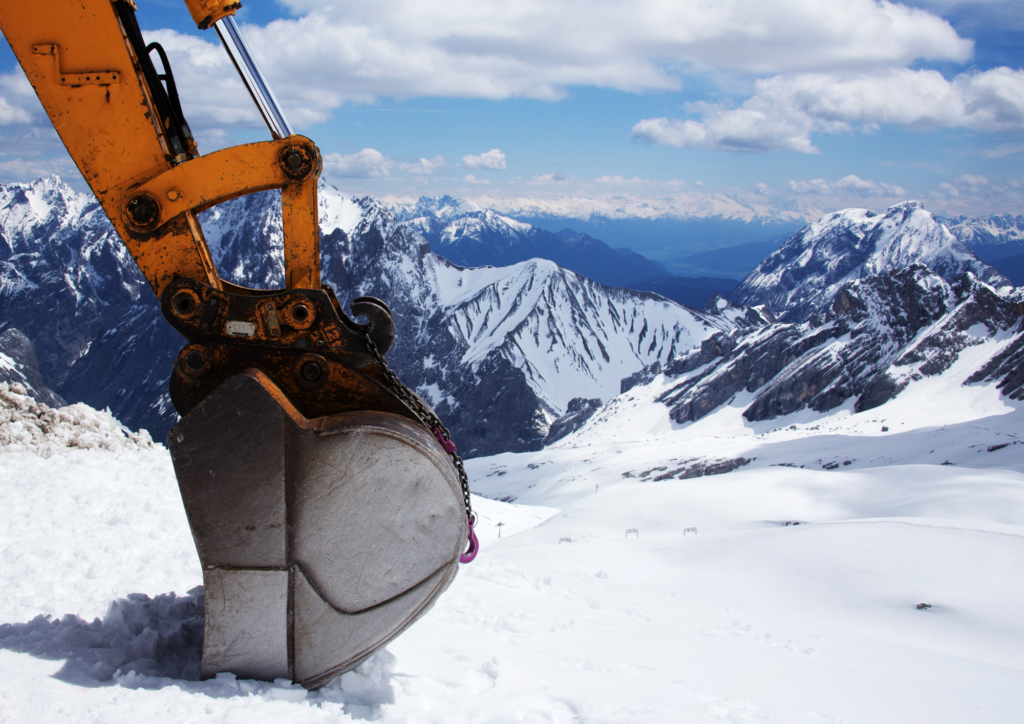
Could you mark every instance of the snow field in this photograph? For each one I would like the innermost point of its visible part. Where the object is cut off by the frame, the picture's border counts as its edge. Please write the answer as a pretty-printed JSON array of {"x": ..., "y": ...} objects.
[
  {"x": 748, "y": 620},
  {"x": 82, "y": 529}
]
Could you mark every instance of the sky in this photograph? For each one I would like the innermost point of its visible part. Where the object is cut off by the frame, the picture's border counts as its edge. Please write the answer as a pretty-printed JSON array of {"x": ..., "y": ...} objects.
[{"x": 655, "y": 106}]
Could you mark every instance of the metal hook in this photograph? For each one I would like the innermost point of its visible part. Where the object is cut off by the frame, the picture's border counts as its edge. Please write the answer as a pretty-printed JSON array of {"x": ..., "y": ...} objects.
[{"x": 474, "y": 544}]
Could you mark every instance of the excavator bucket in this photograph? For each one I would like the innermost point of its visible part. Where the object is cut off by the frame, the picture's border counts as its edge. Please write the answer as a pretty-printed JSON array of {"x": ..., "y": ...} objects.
[{"x": 320, "y": 539}]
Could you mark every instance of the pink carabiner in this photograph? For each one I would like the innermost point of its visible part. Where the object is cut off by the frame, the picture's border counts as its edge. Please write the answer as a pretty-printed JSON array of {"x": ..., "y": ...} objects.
[
  {"x": 448, "y": 445},
  {"x": 474, "y": 544}
]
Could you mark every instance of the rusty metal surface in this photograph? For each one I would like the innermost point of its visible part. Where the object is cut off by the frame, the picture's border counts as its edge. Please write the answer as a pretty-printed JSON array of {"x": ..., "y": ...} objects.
[
  {"x": 361, "y": 513},
  {"x": 90, "y": 67},
  {"x": 301, "y": 339}
]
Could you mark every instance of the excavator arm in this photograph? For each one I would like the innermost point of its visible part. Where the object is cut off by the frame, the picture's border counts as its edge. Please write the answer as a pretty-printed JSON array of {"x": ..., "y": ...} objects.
[{"x": 327, "y": 502}]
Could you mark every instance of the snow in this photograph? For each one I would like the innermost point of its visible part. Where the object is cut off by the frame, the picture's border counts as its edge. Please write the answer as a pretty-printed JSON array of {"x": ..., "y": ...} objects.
[
  {"x": 796, "y": 600},
  {"x": 338, "y": 211},
  {"x": 27, "y": 425},
  {"x": 676, "y": 205}
]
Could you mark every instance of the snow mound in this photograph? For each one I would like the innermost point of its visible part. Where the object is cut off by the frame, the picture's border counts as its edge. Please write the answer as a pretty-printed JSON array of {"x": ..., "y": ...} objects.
[{"x": 30, "y": 426}]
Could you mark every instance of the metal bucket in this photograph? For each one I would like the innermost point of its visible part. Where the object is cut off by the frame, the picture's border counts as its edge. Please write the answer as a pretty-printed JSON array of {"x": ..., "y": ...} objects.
[{"x": 321, "y": 540}]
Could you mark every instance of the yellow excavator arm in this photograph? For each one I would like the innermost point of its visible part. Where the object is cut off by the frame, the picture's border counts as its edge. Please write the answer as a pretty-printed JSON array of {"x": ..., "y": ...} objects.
[
  {"x": 125, "y": 130},
  {"x": 326, "y": 499}
]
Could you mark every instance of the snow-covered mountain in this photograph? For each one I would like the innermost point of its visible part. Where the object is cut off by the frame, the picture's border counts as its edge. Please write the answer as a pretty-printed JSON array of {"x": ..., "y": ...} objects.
[
  {"x": 468, "y": 235},
  {"x": 64, "y": 273},
  {"x": 990, "y": 237},
  {"x": 805, "y": 273},
  {"x": 500, "y": 352},
  {"x": 878, "y": 335},
  {"x": 856, "y": 307},
  {"x": 19, "y": 367},
  {"x": 678, "y": 205}
]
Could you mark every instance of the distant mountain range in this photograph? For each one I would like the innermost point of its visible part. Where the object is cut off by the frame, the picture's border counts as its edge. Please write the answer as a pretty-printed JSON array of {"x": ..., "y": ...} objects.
[
  {"x": 991, "y": 237},
  {"x": 721, "y": 235},
  {"x": 691, "y": 291},
  {"x": 500, "y": 352},
  {"x": 467, "y": 235},
  {"x": 855, "y": 304},
  {"x": 997, "y": 240},
  {"x": 866, "y": 305}
]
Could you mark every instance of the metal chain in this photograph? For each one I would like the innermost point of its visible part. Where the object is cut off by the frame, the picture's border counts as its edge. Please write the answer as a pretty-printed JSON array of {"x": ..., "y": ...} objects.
[{"x": 427, "y": 416}]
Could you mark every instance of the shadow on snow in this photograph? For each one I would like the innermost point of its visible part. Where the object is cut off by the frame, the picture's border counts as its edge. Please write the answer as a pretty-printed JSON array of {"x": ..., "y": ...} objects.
[{"x": 151, "y": 643}]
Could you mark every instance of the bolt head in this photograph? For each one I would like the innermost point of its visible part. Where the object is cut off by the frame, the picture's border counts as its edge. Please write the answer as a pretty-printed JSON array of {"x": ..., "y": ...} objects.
[
  {"x": 312, "y": 371},
  {"x": 143, "y": 211},
  {"x": 295, "y": 162},
  {"x": 195, "y": 361}
]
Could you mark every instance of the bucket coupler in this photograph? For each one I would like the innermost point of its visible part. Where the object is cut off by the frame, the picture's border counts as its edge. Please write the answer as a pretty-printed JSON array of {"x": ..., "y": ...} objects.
[{"x": 320, "y": 539}]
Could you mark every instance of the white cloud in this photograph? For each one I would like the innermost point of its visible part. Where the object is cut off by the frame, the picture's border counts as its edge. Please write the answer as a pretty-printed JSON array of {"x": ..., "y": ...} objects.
[
  {"x": 471, "y": 179},
  {"x": 548, "y": 178},
  {"x": 1005, "y": 149},
  {"x": 18, "y": 102},
  {"x": 371, "y": 163},
  {"x": 798, "y": 201},
  {"x": 977, "y": 195},
  {"x": 10, "y": 115},
  {"x": 848, "y": 185},
  {"x": 637, "y": 182},
  {"x": 786, "y": 110},
  {"x": 493, "y": 159},
  {"x": 424, "y": 166},
  {"x": 966, "y": 184},
  {"x": 21, "y": 169},
  {"x": 617, "y": 180}
]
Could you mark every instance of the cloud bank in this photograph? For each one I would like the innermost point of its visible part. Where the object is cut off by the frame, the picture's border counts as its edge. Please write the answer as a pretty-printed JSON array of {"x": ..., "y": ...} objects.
[
  {"x": 361, "y": 51},
  {"x": 372, "y": 164},
  {"x": 785, "y": 111}
]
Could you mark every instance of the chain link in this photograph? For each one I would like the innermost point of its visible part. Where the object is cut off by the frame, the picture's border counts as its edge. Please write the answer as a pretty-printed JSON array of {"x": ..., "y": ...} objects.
[{"x": 425, "y": 415}]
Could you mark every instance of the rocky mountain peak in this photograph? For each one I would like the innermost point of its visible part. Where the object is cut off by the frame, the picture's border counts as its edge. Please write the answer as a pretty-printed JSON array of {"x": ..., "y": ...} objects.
[{"x": 803, "y": 276}]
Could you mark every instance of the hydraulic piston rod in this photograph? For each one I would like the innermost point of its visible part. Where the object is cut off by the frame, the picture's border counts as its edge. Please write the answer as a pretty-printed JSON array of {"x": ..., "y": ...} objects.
[{"x": 253, "y": 77}]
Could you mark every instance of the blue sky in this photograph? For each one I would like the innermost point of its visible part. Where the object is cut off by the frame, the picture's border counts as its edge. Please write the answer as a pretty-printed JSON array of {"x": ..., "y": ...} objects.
[{"x": 651, "y": 106}]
